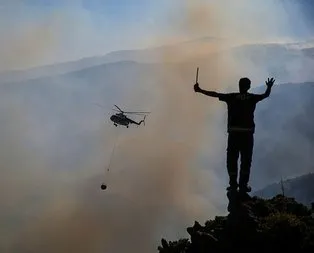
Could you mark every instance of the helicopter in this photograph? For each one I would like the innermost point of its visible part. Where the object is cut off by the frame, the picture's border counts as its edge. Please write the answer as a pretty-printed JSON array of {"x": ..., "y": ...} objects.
[{"x": 121, "y": 119}]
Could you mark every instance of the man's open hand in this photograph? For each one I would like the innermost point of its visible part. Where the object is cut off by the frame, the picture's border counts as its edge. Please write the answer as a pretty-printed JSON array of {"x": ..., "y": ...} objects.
[
  {"x": 270, "y": 82},
  {"x": 197, "y": 87}
]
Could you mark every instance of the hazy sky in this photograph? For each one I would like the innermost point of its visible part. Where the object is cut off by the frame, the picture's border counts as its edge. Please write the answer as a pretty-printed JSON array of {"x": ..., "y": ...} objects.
[
  {"x": 88, "y": 27},
  {"x": 78, "y": 28}
]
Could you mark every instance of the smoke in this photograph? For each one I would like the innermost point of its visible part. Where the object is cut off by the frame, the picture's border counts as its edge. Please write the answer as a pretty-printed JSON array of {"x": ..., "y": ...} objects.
[
  {"x": 156, "y": 186},
  {"x": 27, "y": 41},
  {"x": 27, "y": 48}
]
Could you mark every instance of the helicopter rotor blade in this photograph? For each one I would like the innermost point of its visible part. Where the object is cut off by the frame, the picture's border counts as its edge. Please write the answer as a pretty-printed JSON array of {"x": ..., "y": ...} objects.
[
  {"x": 118, "y": 108},
  {"x": 138, "y": 112},
  {"x": 100, "y": 105},
  {"x": 135, "y": 113}
]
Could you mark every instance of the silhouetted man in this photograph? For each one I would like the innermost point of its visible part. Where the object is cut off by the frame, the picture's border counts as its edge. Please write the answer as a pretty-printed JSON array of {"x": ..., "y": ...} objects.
[{"x": 241, "y": 128}]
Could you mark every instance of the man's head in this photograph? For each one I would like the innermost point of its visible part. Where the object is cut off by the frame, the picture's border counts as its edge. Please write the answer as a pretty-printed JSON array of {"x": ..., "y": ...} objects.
[{"x": 244, "y": 84}]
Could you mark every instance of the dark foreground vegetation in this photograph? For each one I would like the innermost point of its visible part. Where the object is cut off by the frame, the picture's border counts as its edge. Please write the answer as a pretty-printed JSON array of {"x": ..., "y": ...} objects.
[{"x": 261, "y": 225}]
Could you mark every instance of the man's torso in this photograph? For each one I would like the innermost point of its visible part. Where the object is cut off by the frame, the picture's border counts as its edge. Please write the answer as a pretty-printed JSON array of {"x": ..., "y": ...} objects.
[{"x": 241, "y": 109}]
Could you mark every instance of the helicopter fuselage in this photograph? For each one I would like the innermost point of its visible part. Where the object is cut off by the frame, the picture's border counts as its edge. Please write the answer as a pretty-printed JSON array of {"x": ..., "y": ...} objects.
[{"x": 120, "y": 119}]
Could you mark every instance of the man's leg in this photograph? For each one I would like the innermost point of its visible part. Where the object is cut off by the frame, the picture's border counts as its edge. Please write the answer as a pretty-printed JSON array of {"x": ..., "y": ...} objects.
[
  {"x": 232, "y": 160},
  {"x": 246, "y": 160}
]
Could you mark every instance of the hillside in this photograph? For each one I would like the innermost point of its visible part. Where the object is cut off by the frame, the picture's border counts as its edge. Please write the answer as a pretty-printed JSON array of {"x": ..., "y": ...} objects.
[
  {"x": 61, "y": 109},
  {"x": 284, "y": 139},
  {"x": 301, "y": 188},
  {"x": 54, "y": 104},
  {"x": 147, "y": 55},
  {"x": 276, "y": 225},
  {"x": 279, "y": 57},
  {"x": 54, "y": 119}
]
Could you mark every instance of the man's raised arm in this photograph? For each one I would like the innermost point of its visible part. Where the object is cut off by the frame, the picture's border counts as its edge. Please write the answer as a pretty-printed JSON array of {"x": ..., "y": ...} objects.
[
  {"x": 206, "y": 92},
  {"x": 269, "y": 83}
]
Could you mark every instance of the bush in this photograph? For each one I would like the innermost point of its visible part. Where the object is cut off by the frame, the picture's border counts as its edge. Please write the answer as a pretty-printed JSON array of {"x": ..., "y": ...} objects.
[{"x": 276, "y": 225}]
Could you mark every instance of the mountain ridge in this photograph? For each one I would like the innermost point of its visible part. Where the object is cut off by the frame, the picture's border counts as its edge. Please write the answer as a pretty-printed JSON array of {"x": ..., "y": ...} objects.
[
  {"x": 200, "y": 47},
  {"x": 300, "y": 188}
]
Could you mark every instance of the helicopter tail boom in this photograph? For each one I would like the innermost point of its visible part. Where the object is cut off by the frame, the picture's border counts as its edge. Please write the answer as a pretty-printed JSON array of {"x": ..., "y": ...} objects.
[{"x": 139, "y": 123}]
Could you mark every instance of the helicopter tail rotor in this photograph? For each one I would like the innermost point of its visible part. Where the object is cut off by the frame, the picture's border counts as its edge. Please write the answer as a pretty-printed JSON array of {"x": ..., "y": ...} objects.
[{"x": 144, "y": 119}]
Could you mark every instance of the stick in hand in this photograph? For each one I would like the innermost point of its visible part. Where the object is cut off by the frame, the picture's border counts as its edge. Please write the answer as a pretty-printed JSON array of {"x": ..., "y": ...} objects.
[
  {"x": 196, "y": 75},
  {"x": 196, "y": 87}
]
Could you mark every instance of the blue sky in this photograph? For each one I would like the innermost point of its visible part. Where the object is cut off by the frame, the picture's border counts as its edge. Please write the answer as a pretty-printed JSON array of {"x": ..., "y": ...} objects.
[
  {"x": 121, "y": 11},
  {"x": 92, "y": 27},
  {"x": 88, "y": 27}
]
